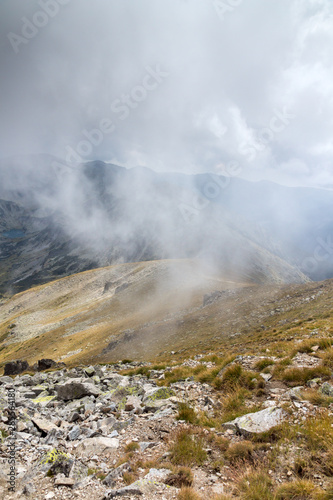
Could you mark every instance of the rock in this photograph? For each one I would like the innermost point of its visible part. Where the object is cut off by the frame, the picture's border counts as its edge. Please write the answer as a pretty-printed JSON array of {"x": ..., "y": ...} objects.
[
  {"x": 29, "y": 489},
  {"x": 53, "y": 437},
  {"x": 209, "y": 298},
  {"x": 133, "y": 403},
  {"x": 313, "y": 384},
  {"x": 76, "y": 389},
  {"x": 97, "y": 445},
  {"x": 38, "y": 390},
  {"x": 255, "y": 423},
  {"x": 122, "y": 492},
  {"x": 74, "y": 433},
  {"x": 158, "y": 393},
  {"x": 149, "y": 484},
  {"x": 295, "y": 394},
  {"x": 16, "y": 367},
  {"x": 106, "y": 424},
  {"x": 111, "y": 478},
  {"x": 146, "y": 444},
  {"x": 266, "y": 376},
  {"x": 44, "y": 425},
  {"x": 29, "y": 395},
  {"x": 113, "y": 434},
  {"x": 89, "y": 370},
  {"x": 74, "y": 417},
  {"x": 327, "y": 389},
  {"x": 62, "y": 465},
  {"x": 49, "y": 495},
  {"x": 64, "y": 481},
  {"x": 6, "y": 380},
  {"x": 45, "y": 364}
]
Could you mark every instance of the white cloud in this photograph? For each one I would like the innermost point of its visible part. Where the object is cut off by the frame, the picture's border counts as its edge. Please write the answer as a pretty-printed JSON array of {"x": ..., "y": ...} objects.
[{"x": 225, "y": 81}]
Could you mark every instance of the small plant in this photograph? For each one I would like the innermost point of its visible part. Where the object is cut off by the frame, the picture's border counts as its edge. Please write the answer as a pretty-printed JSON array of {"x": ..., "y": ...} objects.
[
  {"x": 301, "y": 489},
  {"x": 187, "y": 449},
  {"x": 132, "y": 446},
  {"x": 263, "y": 363},
  {"x": 255, "y": 486},
  {"x": 233, "y": 405},
  {"x": 316, "y": 398},
  {"x": 328, "y": 359},
  {"x": 240, "y": 452},
  {"x": 300, "y": 376},
  {"x": 234, "y": 377},
  {"x": 187, "y": 413},
  {"x": 3, "y": 434},
  {"x": 182, "y": 477},
  {"x": 187, "y": 493},
  {"x": 129, "y": 477}
]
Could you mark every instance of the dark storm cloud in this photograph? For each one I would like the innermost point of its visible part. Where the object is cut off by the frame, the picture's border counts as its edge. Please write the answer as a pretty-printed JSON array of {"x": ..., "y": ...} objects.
[{"x": 229, "y": 70}]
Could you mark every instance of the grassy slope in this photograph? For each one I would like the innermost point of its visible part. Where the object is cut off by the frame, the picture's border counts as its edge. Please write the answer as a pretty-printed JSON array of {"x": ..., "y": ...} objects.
[{"x": 160, "y": 311}]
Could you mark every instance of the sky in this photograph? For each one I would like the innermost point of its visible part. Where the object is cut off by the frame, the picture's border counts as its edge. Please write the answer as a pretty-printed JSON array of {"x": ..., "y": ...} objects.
[{"x": 240, "y": 87}]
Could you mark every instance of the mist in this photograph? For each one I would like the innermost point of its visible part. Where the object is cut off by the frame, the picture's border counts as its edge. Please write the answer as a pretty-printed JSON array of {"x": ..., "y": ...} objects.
[
  {"x": 173, "y": 86},
  {"x": 150, "y": 130}
]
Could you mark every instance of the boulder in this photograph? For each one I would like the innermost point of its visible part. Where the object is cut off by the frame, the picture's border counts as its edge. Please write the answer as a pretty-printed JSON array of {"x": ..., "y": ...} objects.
[
  {"x": 44, "y": 425},
  {"x": 327, "y": 389},
  {"x": 74, "y": 433},
  {"x": 76, "y": 389},
  {"x": 16, "y": 367},
  {"x": 89, "y": 370},
  {"x": 6, "y": 380},
  {"x": 255, "y": 423},
  {"x": 113, "y": 475},
  {"x": 133, "y": 403},
  {"x": 45, "y": 364},
  {"x": 97, "y": 446},
  {"x": 158, "y": 393}
]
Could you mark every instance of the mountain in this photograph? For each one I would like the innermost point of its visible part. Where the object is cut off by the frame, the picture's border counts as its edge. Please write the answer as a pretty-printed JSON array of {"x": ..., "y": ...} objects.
[
  {"x": 142, "y": 310},
  {"x": 58, "y": 219}
]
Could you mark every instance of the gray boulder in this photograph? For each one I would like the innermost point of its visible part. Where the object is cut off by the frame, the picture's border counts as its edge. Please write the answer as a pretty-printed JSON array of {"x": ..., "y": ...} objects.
[
  {"x": 327, "y": 389},
  {"x": 97, "y": 446},
  {"x": 76, "y": 389},
  {"x": 255, "y": 423}
]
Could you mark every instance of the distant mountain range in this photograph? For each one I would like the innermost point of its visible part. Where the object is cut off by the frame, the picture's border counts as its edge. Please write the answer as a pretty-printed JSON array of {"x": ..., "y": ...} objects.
[{"x": 58, "y": 219}]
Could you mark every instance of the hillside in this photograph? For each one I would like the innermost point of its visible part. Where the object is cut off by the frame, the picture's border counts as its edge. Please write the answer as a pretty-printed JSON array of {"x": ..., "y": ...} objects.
[
  {"x": 230, "y": 395},
  {"x": 147, "y": 309},
  {"x": 58, "y": 219}
]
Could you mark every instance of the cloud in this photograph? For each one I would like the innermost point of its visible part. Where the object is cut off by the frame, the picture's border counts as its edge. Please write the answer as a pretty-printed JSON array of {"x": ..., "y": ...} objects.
[{"x": 226, "y": 79}]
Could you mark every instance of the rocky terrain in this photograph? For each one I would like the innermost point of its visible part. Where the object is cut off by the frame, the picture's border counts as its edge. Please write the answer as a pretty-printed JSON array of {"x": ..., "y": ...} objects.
[
  {"x": 196, "y": 364},
  {"x": 213, "y": 426}
]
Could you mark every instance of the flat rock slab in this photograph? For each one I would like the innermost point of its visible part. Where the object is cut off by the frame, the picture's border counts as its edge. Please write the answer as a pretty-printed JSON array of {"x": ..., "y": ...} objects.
[
  {"x": 97, "y": 446},
  {"x": 64, "y": 481},
  {"x": 44, "y": 425},
  {"x": 255, "y": 423}
]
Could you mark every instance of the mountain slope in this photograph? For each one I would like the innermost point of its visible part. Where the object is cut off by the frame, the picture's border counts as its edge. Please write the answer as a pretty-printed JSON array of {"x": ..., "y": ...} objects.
[
  {"x": 56, "y": 220},
  {"x": 141, "y": 310}
]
